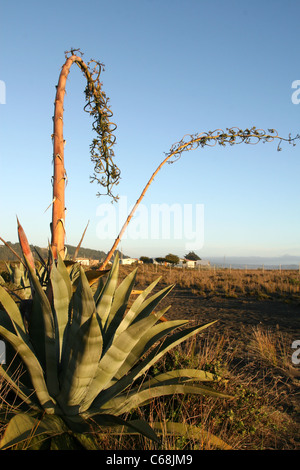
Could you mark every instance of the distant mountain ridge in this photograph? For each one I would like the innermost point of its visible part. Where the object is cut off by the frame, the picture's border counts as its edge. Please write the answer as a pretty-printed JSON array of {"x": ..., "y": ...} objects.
[
  {"x": 7, "y": 255},
  {"x": 256, "y": 260}
]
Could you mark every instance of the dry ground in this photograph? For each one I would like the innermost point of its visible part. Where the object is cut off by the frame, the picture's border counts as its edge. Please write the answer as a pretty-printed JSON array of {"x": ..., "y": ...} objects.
[{"x": 258, "y": 318}]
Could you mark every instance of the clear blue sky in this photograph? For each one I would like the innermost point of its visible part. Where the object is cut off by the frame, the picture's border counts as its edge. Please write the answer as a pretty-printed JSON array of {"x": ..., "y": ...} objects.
[{"x": 171, "y": 67}]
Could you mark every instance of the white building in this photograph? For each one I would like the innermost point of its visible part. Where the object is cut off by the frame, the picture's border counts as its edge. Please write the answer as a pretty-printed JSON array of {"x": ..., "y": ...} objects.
[
  {"x": 188, "y": 263},
  {"x": 129, "y": 261},
  {"x": 83, "y": 261}
]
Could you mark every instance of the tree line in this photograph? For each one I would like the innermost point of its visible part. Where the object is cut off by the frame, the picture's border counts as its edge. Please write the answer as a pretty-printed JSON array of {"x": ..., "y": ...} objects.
[{"x": 170, "y": 258}]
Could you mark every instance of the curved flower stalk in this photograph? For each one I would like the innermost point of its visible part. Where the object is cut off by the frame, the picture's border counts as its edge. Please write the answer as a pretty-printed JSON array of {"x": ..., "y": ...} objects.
[
  {"x": 82, "y": 355},
  {"x": 106, "y": 171},
  {"x": 231, "y": 136}
]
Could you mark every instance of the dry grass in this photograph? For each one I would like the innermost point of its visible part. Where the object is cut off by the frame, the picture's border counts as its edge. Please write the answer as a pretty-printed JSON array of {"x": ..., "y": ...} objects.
[
  {"x": 255, "y": 419},
  {"x": 205, "y": 282},
  {"x": 263, "y": 384}
]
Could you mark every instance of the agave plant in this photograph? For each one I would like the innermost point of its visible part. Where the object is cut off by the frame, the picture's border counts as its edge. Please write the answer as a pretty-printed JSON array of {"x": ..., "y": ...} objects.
[{"x": 83, "y": 354}]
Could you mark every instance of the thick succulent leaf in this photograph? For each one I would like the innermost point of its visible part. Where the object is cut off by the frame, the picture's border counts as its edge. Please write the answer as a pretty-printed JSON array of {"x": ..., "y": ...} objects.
[
  {"x": 115, "y": 424},
  {"x": 183, "y": 375},
  {"x": 84, "y": 304},
  {"x": 83, "y": 363},
  {"x": 114, "y": 387},
  {"x": 79, "y": 244},
  {"x": 142, "y": 309},
  {"x": 115, "y": 357},
  {"x": 25, "y": 246},
  {"x": 13, "y": 311},
  {"x": 134, "y": 309},
  {"x": 151, "y": 303},
  {"x": 92, "y": 276},
  {"x": 83, "y": 309},
  {"x": 168, "y": 344},
  {"x": 190, "y": 432},
  {"x": 143, "y": 395},
  {"x": 175, "y": 377},
  {"x": 34, "y": 369},
  {"x": 62, "y": 293},
  {"x": 37, "y": 330},
  {"x": 48, "y": 332},
  {"x": 146, "y": 341},
  {"x": 119, "y": 305},
  {"x": 16, "y": 274},
  {"x": 122, "y": 379},
  {"x": 104, "y": 302},
  {"x": 24, "y": 428}
]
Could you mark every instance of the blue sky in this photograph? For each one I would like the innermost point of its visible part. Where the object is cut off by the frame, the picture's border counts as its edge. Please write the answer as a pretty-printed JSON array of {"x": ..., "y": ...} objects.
[{"x": 172, "y": 67}]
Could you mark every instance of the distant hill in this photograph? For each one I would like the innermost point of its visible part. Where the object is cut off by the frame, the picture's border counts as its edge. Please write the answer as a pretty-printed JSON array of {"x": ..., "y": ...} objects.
[{"x": 7, "y": 255}]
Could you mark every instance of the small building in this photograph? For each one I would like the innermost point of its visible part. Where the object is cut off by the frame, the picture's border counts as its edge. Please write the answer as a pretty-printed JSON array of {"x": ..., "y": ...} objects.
[
  {"x": 188, "y": 263},
  {"x": 83, "y": 261},
  {"x": 129, "y": 261}
]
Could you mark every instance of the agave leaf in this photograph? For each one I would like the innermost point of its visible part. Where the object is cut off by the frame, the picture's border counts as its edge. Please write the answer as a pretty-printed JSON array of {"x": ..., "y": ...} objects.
[
  {"x": 115, "y": 356},
  {"x": 84, "y": 304},
  {"x": 92, "y": 276},
  {"x": 62, "y": 293},
  {"x": 69, "y": 263},
  {"x": 23, "y": 428},
  {"x": 42, "y": 261},
  {"x": 119, "y": 305},
  {"x": 190, "y": 432},
  {"x": 183, "y": 375},
  {"x": 25, "y": 245},
  {"x": 119, "y": 425},
  {"x": 83, "y": 364},
  {"x": 151, "y": 303},
  {"x": 147, "y": 340},
  {"x": 48, "y": 333},
  {"x": 141, "y": 307},
  {"x": 104, "y": 302},
  {"x": 34, "y": 369},
  {"x": 8, "y": 267},
  {"x": 168, "y": 344},
  {"x": 79, "y": 244},
  {"x": 13, "y": 311},
  {"x": 154, "y": 335},
  {"x": 143, "y": 395},
  {"x": 122, "y": 379},
  {"x": 83, "y": 309}
]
